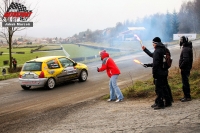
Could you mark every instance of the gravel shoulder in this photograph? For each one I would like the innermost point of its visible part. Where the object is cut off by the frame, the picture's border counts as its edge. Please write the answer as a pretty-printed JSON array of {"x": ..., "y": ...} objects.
[{"x": 130, "y": 116}]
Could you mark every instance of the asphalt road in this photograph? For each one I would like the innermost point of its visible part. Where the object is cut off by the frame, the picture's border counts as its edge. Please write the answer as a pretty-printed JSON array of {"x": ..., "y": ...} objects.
[{"x": 18, "y": 106}]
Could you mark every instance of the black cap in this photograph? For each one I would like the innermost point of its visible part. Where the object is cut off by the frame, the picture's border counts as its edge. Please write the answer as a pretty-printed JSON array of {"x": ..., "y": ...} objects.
[{"x": 156, "y": 39}]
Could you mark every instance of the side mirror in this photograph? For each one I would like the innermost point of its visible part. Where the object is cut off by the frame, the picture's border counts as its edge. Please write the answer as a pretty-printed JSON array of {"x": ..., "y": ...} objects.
[{"x": 74, "y": 64}]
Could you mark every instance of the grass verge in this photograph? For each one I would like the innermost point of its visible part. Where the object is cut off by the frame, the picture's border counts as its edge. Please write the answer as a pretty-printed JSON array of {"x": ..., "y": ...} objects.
[
  {"x": 146, "y": 89},
  {"x": 9, "y": 76}
]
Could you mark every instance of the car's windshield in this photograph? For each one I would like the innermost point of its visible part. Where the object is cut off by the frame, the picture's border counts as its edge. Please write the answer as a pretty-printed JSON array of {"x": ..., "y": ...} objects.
[{"x": 32, "y": 66}]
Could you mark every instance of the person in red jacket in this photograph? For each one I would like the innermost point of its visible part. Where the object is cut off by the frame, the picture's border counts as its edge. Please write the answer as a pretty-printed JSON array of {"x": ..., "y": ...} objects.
[{"x": 113, "y": 72}]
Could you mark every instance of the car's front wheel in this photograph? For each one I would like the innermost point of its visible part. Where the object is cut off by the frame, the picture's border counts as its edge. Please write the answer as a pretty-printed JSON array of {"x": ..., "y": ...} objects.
[
  {"x": 50, "y": 83},
  {"x": 25, "y": 87},
  {"x": 83, "y": 76}
]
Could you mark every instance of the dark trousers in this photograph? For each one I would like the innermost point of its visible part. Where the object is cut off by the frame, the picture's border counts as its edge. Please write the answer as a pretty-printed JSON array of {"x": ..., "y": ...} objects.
[
  {"x": 14, "y": 66},
  {"x": 163, "y": 91},
  {"x": 185, "y": 81},
  {"x": 168, "y": 90}
]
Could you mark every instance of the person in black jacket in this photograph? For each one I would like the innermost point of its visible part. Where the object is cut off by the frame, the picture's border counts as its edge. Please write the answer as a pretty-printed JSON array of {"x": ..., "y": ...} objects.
[
  {"x": 159, "y": 75},
  {"x": 185, "y": 64},
  {"x": 14, "y": 62}
]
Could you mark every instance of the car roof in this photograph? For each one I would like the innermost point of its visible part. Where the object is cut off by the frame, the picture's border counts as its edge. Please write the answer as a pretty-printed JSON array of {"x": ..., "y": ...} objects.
[{"x": 45, "y": 58}]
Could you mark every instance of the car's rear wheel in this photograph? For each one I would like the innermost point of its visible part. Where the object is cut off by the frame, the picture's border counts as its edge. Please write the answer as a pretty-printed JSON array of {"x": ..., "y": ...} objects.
[
  {"x": 83, "y": 76},
  {"x": 25, "y": 87},
  {"x": 50, "y": 83}
]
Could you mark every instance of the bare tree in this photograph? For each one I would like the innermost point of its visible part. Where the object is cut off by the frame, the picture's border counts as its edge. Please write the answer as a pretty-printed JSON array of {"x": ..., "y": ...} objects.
[
  {"x": 8, "y": 32},
  {"x": 187, "y": 18}
]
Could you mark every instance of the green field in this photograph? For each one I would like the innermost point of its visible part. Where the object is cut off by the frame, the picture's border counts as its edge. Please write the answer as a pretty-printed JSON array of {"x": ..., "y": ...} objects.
[
  {"x": 73, "y": 50},
  {"x": 82, "y": 51}
]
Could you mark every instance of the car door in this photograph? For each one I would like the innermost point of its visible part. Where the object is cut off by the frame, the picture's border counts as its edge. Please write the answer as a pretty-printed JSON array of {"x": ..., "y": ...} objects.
[
  {"x": 69, "y": 71},
  {"x": 54, "y": 68}
]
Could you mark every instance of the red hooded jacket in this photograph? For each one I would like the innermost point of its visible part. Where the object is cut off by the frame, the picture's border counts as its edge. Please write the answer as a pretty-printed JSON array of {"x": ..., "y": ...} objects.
[{"x": 108, "y": 64}]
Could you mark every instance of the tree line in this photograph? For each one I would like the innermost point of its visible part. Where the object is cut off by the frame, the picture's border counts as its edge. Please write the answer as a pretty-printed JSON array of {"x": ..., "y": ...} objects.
[{"x": 186, "y": 20}]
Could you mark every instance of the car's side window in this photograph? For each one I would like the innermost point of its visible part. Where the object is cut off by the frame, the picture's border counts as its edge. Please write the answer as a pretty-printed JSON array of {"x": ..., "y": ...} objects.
[
  {"x": 65, "y": 62},
  {"x": 53, "y": 64}
]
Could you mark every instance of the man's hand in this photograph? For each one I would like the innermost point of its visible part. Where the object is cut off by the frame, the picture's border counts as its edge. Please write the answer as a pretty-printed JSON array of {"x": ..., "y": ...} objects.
[
  {"x": 97, "y": 69},
  {"x": 143, "y": 47},
  {"x": 145, "y": 65}
]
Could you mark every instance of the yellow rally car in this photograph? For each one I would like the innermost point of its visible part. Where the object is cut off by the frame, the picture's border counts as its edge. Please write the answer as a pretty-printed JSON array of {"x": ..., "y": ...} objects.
[{"x": 50, "y": 70}]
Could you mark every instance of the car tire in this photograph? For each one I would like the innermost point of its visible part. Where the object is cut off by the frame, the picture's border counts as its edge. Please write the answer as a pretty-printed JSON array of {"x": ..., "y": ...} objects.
[
  {"x": 50, "y": 83},
  {"x": 83, "y": 76},
  {"x": 25, "y": 87}
]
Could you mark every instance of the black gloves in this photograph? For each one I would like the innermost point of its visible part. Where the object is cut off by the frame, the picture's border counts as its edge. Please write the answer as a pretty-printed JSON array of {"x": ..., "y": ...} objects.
[
  {"x": 148, "y": 65},
  {"x": 145, "y": 65},
  {"x": 97, "y": 69}
]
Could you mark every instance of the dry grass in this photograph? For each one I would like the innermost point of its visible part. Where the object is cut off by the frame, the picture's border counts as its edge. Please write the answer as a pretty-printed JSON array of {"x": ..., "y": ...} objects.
[{"x": 145, "y": 89}]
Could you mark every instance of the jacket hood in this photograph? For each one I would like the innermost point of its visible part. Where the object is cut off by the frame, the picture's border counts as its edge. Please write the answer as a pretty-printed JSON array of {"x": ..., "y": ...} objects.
[
  {"x": 187, "y": 44},
  {"x": 160, "y": 44},
  {"x": 103, "y": 54}
]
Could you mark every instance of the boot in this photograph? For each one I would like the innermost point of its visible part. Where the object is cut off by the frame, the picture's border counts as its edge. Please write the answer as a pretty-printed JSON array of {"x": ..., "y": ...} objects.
[
  {"x": 185, "y": 99},
  {"x": 154, "y": 105},
  {"x": 168, "y": 104},
  {"x": 159, "y": 107}
]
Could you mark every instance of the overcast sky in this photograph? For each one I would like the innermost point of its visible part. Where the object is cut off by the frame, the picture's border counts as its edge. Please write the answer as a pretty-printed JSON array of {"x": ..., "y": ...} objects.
[{"x": 64, "y": 18}]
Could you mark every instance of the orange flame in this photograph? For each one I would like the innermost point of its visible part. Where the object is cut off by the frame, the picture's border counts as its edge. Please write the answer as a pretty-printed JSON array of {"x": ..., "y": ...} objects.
[{"x": 137, "y": 61}]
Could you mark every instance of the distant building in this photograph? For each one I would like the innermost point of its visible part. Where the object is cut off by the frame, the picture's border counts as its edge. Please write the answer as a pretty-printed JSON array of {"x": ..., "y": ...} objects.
[
  {"x": 44, "y": 41},
  {"x": 53, "y": 41},
  {"x": 129, "y": 34}
]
